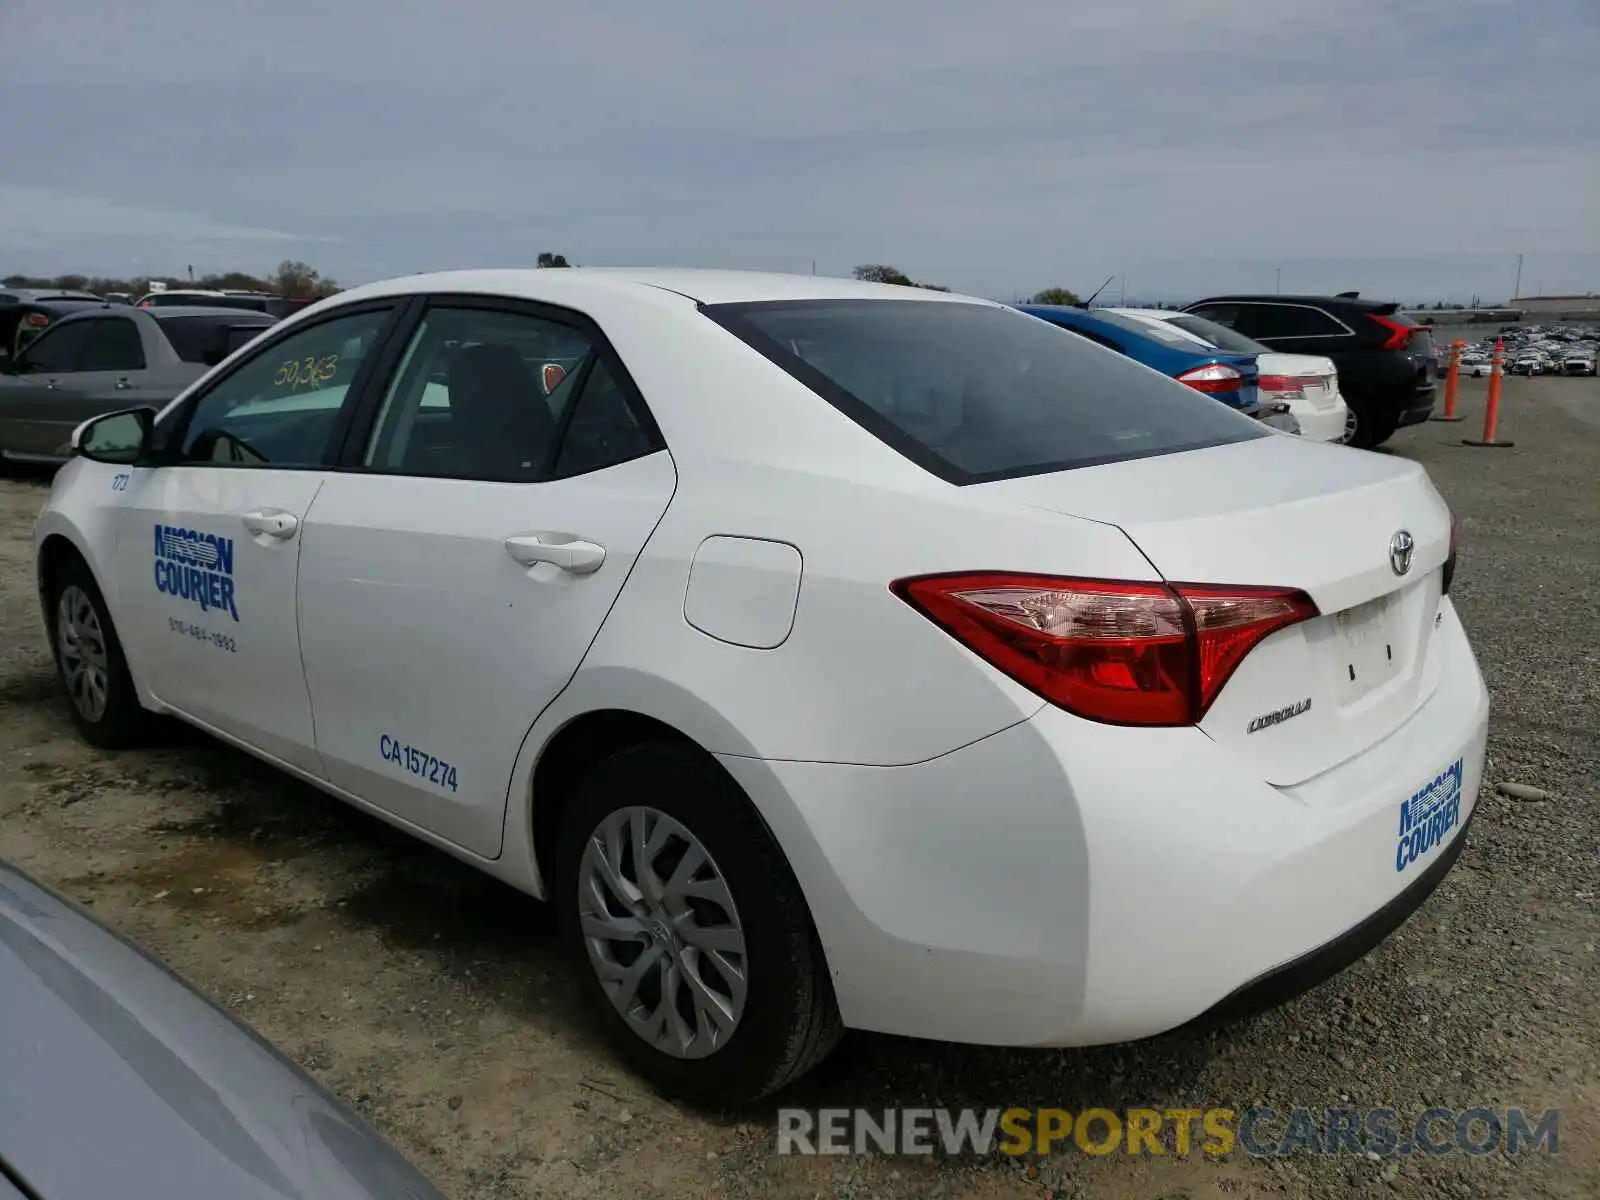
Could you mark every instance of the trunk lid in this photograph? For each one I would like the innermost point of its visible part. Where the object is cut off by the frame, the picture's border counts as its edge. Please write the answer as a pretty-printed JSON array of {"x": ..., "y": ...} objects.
[{"x": 1282, "y": 512}]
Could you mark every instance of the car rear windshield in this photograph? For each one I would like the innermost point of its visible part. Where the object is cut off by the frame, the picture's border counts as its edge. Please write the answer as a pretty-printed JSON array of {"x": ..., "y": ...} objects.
[
  {"x": 977, "y": 392},
  {"x": 1219, "y": 336},
  {"x": 208, "y": 340},
  {"x": 1145, "y": 329}
]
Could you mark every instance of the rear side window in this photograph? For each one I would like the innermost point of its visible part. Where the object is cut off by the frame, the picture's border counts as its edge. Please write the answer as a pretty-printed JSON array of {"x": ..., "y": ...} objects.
[
  {"x": 973, "y": 392},
  {"x": 1293, "y": 321},
  {"x": 114, "y": 345},
  {"x": 505, "y": 397},
  {"x": 1217, "y": 334},
  {"x": 206, "y": 340},
  {"x": 1150, "y": 330}
]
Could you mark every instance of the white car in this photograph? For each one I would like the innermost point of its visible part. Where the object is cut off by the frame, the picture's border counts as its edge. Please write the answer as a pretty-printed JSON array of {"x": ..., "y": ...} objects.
[
  {"x": 829, "y": 653},
  {"x": 1307, "y": 383}
]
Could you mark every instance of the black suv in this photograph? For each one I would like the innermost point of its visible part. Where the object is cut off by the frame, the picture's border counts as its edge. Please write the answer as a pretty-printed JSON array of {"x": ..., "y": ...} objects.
[{"x": 1386, "y": 361}]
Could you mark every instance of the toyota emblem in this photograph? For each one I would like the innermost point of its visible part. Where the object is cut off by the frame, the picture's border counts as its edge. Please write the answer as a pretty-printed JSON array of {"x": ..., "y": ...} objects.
[{"x": 1401, "y": 546}]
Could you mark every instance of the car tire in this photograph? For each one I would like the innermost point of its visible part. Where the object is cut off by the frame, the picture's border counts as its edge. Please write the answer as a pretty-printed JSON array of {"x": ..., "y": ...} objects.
[
  {"x": 90, "y": 664},
  {"x": 1358, "y": 425},
  {"x": 783, "y": 1021},
  {"x": 1381, "y": 427}
]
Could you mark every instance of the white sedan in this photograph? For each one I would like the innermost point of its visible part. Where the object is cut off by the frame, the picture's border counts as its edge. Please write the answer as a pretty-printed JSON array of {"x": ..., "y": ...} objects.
[
  {"x": 1307, "y": 383},
  {"x": 829, "y": 654}
]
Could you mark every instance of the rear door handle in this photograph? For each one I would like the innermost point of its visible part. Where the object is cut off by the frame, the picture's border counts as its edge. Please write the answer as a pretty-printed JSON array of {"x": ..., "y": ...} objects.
[
  {"x": 272, "y": 523},
  {"x": 569, "y": 553}
]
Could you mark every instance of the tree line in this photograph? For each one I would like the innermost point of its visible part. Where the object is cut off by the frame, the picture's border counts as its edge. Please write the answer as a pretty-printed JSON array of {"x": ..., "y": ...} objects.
[
  {"x": 883, "y": 273},
  {"x": 293, "y": 279}
]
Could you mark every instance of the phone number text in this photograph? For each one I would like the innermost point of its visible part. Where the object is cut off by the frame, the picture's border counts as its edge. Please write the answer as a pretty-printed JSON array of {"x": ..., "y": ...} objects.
[{"x": 220, "y": 640}]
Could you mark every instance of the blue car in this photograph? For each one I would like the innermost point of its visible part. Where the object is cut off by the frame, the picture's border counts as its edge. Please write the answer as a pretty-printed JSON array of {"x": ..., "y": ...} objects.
[{"x": 1230, "y": 378}]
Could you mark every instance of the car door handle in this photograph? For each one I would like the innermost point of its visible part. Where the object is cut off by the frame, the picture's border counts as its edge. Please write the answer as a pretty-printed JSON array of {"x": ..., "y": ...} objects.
[
  {"x": 122, "y": 385},
  {"x": 569, "y": 553},
  {"x": 52, "y": 383},
  {"x": 272, "y": 523}
]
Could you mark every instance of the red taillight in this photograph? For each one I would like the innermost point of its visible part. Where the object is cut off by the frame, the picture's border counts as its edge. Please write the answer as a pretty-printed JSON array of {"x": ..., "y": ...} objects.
[
  {"x": 1399, "y": 335},
  {"x": 38, "y": 320},
  {"x": 1288, "y": 385},
  {"x": 1213, "y": 379},
  {"x": 1122, "y": 653}
]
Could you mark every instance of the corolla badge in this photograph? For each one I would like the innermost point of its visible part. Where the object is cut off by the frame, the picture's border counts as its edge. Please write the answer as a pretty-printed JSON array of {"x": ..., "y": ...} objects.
[
  {"x": 1401, "y": 546},
  {"x": 1278, "y": 716}
]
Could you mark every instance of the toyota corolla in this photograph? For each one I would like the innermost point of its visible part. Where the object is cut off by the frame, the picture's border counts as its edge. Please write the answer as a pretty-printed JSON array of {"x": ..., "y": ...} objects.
[{"x": 829, "y": 654}]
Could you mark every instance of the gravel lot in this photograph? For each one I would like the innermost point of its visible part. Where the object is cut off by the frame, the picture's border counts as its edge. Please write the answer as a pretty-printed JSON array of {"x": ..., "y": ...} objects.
[{"x": 434, "y": 1000}]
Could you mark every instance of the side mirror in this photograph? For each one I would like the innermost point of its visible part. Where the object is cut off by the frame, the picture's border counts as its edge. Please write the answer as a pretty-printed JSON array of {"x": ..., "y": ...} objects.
[{"x": 120, "y": 438}]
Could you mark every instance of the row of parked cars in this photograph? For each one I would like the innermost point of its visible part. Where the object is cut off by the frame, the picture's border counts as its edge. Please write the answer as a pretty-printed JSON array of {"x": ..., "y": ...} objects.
[
  {"x": 25, "y": 313},
  {"x": 1329, "y": 368},
  {"x": 74, "y": 357},
  {"x": 1332, "y": 368},
  {"x": 1537, "y": 350}
]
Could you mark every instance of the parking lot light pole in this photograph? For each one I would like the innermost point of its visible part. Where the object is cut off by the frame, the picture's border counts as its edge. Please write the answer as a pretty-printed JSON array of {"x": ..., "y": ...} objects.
[
  {"x": 1452, "y": 380},
  {"x": 1491, "y": 412}
]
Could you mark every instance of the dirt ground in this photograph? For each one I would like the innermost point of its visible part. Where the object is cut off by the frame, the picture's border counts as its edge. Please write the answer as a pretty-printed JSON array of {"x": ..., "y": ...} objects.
[{"x": 434, "y": 1000}]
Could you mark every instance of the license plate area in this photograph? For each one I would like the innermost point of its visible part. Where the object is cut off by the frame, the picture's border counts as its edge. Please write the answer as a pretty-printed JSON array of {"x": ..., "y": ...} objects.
[{"x": 1369, "y": 649}]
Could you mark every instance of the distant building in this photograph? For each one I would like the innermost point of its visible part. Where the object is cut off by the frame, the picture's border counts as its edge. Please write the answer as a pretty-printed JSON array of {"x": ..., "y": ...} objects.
[{"x": 1557, "y": 304}]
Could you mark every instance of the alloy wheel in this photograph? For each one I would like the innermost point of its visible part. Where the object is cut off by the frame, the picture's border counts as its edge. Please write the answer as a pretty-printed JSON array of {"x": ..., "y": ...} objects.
[
  {"x": 662, "y": 932},
  {"x": 1351, "y": 422},
  {"x": 82, "y": 647}
]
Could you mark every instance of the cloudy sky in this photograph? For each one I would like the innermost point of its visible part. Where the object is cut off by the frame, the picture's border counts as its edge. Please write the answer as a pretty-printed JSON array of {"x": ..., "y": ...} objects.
[{"x": 1405, "y": 147}]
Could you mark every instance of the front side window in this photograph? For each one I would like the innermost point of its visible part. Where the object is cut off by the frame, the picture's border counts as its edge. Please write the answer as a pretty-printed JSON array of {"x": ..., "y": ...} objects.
[
  {"x": 974, "y": 392},
  {"x": 113, "y": 345},
  {"x": 279, "y": 408},
  {"x": 485, "y": 394},
  {"x": 1231, "y": 316},
  {"x": 58, "y": 350}
]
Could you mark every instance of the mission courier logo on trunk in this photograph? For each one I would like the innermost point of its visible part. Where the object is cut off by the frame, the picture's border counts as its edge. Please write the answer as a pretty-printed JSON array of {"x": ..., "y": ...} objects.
[{"x": 196, "y": 566}]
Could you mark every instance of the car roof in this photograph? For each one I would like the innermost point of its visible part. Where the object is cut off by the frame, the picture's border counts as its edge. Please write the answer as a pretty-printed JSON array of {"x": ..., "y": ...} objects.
[
  {"x": 1160, "y": 314},
  {"x": 1356, "y": 302},
  {"x": 14, "y": 296},
  {"x": 70, "y": 306},
  {"x": 700, "y": 285},
  {"x": 167, "y": 312}
]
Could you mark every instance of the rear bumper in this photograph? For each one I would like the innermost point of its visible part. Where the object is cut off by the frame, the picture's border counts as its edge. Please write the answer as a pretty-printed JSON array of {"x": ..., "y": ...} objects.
[
  {"x": 1320, "y": 424},
  {"x": 1284, "y": 983},
  {"x": 1068, "y": 883},
  {"x": 1419, "y": 407}
]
